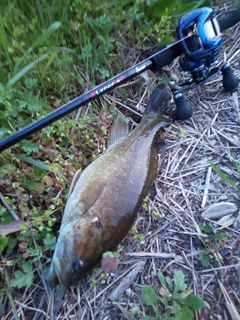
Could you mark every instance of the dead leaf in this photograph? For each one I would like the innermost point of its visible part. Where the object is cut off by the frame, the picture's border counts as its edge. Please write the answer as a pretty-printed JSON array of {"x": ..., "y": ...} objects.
[
  {"x": 109, "y": 264},
  {"x": 25, "y": 255},
  {"x": 162, "y": 292},
  {"x": 11, "y": 227},
  {"x": 23, "y": 246},
  {"x": 218, "y": 210}
]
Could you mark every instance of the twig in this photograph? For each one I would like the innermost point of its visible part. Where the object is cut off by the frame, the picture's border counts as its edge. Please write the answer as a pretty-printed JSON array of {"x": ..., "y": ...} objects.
[
  {"x": 9, "y": 208},
  {"x": 122, "y": 104},
  {"x": 88, "y": 303},
  {"x": 176, "y": 260},
  {"x": 236, "y": 105},
  {"x": 76, "y": 119},
  {"x": 184, "y": 194},
  {"x": 30, "y": 308},
  {"x": 220, "y": 268},
  {"x": 229, "y": 304},
  {"x": 234, "y": 142},
  {"x": 127, "y": 281},
  {"x": 50, "y": 304},
  {"x": 206, "y": 187},
  {"x": 151, "y": 255},
  {"x": 112, "y": 283}
]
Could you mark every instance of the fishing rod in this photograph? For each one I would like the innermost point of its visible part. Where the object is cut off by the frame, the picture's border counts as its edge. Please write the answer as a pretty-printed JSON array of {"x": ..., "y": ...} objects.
[{"x": 198, "y": 43}]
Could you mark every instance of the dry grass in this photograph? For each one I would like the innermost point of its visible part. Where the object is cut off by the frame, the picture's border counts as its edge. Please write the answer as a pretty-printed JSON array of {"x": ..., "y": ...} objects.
[{"x": 185, "y": 187}]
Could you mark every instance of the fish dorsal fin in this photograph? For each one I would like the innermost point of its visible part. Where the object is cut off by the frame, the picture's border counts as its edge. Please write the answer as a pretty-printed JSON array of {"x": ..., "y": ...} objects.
[
  {"x": 74, "y": 181},
  {"x": 118, "y": 130}
]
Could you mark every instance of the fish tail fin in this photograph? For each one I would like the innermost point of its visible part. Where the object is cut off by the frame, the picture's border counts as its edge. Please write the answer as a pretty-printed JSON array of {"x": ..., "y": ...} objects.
[{"x": 159, "y": 101}]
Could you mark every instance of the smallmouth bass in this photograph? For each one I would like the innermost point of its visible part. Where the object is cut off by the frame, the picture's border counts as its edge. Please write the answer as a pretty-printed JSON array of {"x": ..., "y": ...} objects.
[{"x": 104, "y": 199}]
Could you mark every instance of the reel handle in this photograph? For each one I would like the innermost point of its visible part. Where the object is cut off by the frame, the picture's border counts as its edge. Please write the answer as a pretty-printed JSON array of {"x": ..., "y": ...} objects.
[
  {"x": 230, "y": 81},
  {"x": 184, "y": 110},
  {"x": 229, "y": 19}
]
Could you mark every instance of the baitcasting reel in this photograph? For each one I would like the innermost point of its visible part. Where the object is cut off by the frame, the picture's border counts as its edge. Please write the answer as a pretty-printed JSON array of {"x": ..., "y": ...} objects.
[{"x": 200, "y": 36}]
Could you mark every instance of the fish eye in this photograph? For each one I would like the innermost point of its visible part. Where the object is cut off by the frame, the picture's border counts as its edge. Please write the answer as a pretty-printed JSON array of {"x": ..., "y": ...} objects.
[{"x": 77, "y": 265}]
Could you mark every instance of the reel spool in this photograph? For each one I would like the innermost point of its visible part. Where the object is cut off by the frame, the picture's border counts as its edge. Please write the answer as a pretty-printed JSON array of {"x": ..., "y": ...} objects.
[
  {"x": 202, "y": 47},
  {"x": 201, "y": 40}
]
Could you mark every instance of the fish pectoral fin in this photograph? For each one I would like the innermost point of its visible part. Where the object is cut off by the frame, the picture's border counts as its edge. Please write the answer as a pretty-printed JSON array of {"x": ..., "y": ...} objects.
[
  {"x": 58, "y": 270},
  {"x": 74, "y": 181},
  {"x": 53, "y": 278},
  {"x": 118, "y": 130}
]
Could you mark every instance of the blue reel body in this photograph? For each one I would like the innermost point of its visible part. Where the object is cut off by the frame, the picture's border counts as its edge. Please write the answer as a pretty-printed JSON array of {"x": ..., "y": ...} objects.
[{"x": 202, "y": 48}]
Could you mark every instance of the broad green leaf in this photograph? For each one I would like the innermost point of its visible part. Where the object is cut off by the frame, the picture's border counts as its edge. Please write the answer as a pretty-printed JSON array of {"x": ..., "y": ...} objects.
[
  {"x": 162, "y": 280},
  {"x": 29, "y": 146},
  {"x": 29, "y": 183},
  {"x": 50, "y": 242},
  {"x": 38, "y": 173},
  {"x": 33, "y": 104},
  {"x": 205, "y": 259},
  {"x": 21, "y": 280},
  {"x": 3, "y": 242},
  {"x": 218, "y": 236},
  {"x": 148, "y": 295},
  {"x": 27, "y": 266},
  {"x": 193, "y": 301},
  {"x": 169, "y": 282},
  {"x": 5, "y": 169},
  {"x": 179, "y": 281},
  {"x": 108, "y": 254},
  {"x": 5, "y": 216},
  {"x": 186, "y": 313},
  {"x": 175, "y": 307},
  {"x": 12, "y": 242},
  {"x": 29, "y": 279},
  {"x": 206, "y": 229},
  {"x": 35, "y": 252}
]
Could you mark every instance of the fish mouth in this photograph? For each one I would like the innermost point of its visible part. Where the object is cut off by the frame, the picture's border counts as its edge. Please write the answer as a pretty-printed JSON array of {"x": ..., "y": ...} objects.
[{"x": 57, "y": 273}]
